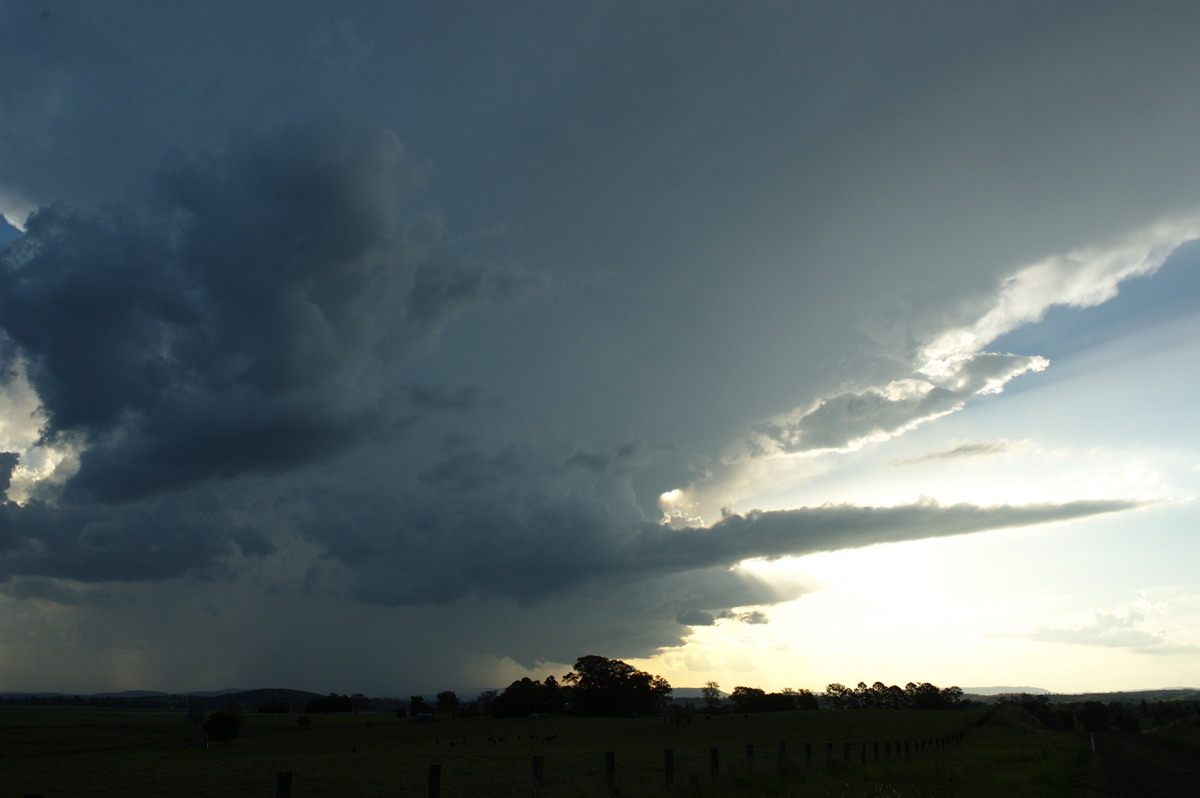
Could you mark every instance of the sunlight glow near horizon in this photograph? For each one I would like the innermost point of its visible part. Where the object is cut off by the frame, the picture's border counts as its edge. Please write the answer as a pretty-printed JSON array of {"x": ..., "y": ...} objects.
[{"x": 942, "y": 611}]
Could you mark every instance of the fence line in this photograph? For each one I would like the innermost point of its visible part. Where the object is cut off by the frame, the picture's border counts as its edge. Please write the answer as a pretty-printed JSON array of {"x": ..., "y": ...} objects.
[
  {"x": 891, "y": 750},
  {"x": 897, "y": 750}
]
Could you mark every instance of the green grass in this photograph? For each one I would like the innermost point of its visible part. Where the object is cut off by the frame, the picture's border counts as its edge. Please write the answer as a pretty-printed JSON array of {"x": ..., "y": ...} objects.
[
  {"x": 1000, "y": 760},
  {"x": 1183, "y": 733},
  {"x": 68, "y": 752}
]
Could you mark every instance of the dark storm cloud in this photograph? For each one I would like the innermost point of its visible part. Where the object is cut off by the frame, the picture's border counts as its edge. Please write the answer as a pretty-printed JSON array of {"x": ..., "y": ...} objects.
[
  {"x": 694, "y": 617},
  {"x": 509, "y": 521},
  {"x": 809, "y": 530},
  {"x": 251, "y": 315},
  {"x": 8, "y": 461},
  {"x": 446, "y": 397},
  {"x": 463, "y": 467},
  {"x": 154, "y": 540}
]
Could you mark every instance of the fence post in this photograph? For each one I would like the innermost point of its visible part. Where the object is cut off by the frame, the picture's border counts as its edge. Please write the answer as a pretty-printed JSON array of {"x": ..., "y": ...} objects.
[
  {"x": 669, "y": 766},
  {"x": 828, "y": 753},
  {"x": 435, "y": 781},
  {"x": 714, "y": 761},
  {"x": 750, "y": 758},
  {"x": 807, "y": 754},
  {"x": 782, "y": 754},
  {"x": 610, "y": 770},
  {"x": 845, "y": 752},
  {"x": 876, "y": 754},
  {"x": 283, "y": 784},
  {"x": 537, "y": 772}
]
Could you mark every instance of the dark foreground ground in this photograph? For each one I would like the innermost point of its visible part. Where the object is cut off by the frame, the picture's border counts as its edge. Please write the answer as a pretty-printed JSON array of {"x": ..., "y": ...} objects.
[{"x": 1141, "y": 766}]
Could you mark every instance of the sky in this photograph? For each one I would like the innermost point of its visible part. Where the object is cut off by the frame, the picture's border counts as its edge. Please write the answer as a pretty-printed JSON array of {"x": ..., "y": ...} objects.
[{"x": 401, "y": 347}]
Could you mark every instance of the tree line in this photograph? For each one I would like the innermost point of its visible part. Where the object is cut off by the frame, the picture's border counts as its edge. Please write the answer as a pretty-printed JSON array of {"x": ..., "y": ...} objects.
[
  {"x": 595, "y": 686},
  {"x": 600, "y": 686},
  {"x": 882, "y": 696}
]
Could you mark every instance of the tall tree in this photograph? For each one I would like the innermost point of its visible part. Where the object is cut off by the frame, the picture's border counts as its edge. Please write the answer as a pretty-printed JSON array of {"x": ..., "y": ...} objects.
[
  {"x": 747, "y": 699},
  {"x": 602, "y": 686},
  {"x": 712, "y": 695},
  {"x": 447, "y": 701},
  {"x": 223, "y": 725}
]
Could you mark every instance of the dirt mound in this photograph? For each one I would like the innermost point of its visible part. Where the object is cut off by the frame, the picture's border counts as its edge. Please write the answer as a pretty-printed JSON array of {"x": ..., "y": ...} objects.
[
  {"x": 1019, "y": 718},
  {"x": 1183, "y": 732}
]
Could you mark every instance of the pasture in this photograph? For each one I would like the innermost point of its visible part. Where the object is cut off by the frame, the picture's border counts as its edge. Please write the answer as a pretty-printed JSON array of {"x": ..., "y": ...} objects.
[{"x": 74, "y": 752}]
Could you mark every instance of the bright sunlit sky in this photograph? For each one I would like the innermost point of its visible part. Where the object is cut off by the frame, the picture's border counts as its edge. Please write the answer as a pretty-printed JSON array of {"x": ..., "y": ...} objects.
[{"x": 400, "y": 347}]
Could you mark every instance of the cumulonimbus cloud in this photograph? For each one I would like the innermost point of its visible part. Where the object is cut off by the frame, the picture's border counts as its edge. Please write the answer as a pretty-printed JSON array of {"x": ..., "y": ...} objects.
[{"x": 252, "y": 315}]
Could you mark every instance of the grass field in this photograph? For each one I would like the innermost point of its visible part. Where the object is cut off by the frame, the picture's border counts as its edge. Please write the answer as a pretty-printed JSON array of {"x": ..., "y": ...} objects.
[{"x": 70, "y": 752}]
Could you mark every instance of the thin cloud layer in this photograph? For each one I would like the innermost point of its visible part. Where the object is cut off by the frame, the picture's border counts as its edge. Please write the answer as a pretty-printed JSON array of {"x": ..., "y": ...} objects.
[
  {"x": 1127, "y": 629},
  {"x": 953, "y": 367},
  {"x": 967, "y": 449},
  {"x": 851, "y": 419}
]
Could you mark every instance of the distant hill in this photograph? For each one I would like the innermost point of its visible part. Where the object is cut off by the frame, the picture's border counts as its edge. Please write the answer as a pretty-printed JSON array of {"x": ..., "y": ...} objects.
[
  {"x": 692, "y": 692},
  {"x": 131, "y": 694},
  {"x": 1005, "y": 690},
  {"x": 995, "y": 694},
  {"x": 251, "y": 700},
  {"x": 215, "y": 693},
  {"x": 1132, "y": 696}
]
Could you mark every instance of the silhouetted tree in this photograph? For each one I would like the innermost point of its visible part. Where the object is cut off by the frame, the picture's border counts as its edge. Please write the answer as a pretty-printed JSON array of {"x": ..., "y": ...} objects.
[
  {"x": 752, "y": 699},
  {"x": 746, "y": 699},
  {"x": 484, "y": 701},
  {"x": 840, "y": 696},
  {"x": 712, "y": 695},
  {"x": 1094, "y": 717},
  {"x": 882, "y": 696},
  {"x": 529, "y": 697},
  {"x": 224, "y": 724},
  {"x": 952, "y": 697},
  {"x": 601, "y": 686},
  {"x": 330, "y": 703},
  {"x": 928, "y": 696},
  {"x": 1124, "y": 720},
  {"x": 803, "y": 699},
  {"x": 447, "y": 701}
]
